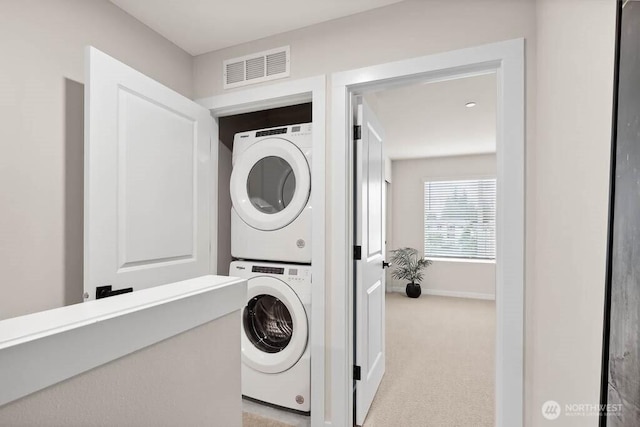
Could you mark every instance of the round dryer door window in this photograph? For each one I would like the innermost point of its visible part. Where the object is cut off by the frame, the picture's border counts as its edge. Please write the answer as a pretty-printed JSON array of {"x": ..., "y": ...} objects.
[
  {"x": 274, "y": 326},
  {"x": 270, "y": 184}
]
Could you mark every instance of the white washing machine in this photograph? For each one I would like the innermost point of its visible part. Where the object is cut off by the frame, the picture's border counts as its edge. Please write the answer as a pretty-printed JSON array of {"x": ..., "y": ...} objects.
[
  {"x": 271, "y": 194},
  {"x": 276, "y": 358}
]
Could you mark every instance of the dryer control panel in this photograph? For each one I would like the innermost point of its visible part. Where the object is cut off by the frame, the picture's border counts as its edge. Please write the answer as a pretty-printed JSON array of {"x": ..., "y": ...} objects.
[{"x": 290, "y": 131}]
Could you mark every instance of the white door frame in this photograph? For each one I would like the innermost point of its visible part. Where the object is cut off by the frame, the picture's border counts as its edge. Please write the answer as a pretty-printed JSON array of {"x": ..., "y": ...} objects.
[
  {"x": 312, "y": 89},
  {"x": 506, "y": 59}
]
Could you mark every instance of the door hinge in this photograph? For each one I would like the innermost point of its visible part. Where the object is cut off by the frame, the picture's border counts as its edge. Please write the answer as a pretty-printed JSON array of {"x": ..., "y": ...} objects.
[
  {"x": 357, "y": 252},
  {"x": 356, "y": 372},
  {"x": 357, "y": 132}
]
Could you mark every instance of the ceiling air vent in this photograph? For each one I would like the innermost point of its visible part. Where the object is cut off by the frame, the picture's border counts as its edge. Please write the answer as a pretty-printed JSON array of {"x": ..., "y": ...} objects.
[{"x": 255, "y": 68}]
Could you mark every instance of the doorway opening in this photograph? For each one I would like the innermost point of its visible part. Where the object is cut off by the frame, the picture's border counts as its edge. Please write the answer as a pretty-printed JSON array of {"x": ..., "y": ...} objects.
[
  {"x": 431, "y": 354},
  {"x": 506, "y": 60}
]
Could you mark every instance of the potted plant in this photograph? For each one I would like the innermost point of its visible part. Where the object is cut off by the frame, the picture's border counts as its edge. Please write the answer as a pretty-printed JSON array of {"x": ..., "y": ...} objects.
[{"x": 409, "y": 265}]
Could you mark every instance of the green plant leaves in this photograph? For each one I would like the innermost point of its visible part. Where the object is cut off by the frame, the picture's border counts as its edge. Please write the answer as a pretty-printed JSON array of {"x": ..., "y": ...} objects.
[{"x": 408, "y": 264}]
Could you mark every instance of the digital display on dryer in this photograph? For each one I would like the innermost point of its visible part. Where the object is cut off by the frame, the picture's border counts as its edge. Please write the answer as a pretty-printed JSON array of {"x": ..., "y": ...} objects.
[
  {"x": 267, "y": 270},
  {"x": 271, "y": 132}
]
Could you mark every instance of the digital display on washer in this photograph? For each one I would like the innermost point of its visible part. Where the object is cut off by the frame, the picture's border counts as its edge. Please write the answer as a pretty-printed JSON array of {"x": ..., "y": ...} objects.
[
  {"x": 293, "y": 272},
  {"x": 295, "y": 129},
  {"x": 267, "y": 270},
  {"x": 271, "y": 132}
]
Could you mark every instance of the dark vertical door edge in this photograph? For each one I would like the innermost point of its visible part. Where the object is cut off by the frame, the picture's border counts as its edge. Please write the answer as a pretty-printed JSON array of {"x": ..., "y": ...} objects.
[{"x": 606, "y": 330}]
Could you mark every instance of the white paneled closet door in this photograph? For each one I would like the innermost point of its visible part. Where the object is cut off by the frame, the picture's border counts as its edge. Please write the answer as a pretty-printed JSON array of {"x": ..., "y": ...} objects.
[{"x": 148, "y": 180}]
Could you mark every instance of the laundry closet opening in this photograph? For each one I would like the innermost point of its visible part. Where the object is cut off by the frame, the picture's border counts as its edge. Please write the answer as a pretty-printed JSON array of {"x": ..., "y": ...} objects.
[
  {"x": 282, "y": 246},
  {"x": 228, "y": 127},
  {"x": 265, "y": 236}
]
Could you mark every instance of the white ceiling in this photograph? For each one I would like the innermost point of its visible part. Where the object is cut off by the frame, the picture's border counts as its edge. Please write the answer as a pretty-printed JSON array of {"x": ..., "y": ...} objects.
[
  {"x": 431, "y": 120},
  {"x": 200, "y": 26}
]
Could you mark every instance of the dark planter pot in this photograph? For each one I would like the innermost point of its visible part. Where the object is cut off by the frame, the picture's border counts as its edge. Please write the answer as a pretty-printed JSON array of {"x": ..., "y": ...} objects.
[{"x": 413, "y": 290}]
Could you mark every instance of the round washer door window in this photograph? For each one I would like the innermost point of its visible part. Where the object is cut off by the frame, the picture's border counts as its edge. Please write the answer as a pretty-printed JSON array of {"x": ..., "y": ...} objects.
[
  {"x": 268, "y": 323},
  {"x": 275, "y": 328},
  {"x": 270, "y": 184}
]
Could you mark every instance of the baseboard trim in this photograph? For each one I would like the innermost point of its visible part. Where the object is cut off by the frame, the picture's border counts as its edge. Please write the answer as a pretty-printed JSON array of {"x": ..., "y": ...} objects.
[{"x": 444, "y": 293}]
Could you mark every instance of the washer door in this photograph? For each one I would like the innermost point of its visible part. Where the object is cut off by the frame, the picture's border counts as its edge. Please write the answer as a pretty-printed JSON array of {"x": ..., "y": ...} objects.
[
  {"x": 274, "y": 326},
  {"x": 270, "y": 184}
]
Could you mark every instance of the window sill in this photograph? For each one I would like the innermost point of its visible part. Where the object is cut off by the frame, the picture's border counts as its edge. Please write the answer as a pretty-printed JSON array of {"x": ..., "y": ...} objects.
[{"x": 467, "y": 260}]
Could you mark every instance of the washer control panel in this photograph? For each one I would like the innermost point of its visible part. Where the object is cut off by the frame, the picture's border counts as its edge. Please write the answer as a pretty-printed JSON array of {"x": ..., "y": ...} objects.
[
  {"x": 267, "y": 270},
  {"x": 287, "y": 272},
  {"x": 299, "y": 275}
]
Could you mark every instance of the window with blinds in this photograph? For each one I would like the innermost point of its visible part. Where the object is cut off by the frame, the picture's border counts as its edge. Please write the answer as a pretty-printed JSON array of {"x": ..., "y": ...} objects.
[{"x": 460, "y": 219}]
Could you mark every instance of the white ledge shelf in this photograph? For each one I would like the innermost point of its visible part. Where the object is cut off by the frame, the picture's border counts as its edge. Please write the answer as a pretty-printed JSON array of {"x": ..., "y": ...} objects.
[{"x": 42, "y": 349}]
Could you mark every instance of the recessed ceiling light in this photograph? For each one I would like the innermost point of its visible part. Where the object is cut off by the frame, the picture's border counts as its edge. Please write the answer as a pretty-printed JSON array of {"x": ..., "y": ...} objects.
[{"x": 470, "y": 104}]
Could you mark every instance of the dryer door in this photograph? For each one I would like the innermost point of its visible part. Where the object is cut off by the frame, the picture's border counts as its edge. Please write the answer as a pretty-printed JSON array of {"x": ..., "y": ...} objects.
[
  {"x": 270, "y": 184},
  {"x": 274, "y": 326}
]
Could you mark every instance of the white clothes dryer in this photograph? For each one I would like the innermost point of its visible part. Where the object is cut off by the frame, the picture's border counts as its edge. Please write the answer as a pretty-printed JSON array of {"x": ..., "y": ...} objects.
[
  {"x": 276, "y": 358},
  {"x": 271, "y": 194}
]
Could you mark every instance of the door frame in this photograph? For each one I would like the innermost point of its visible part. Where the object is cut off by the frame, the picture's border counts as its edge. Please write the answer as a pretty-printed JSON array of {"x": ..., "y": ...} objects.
[
  {"x": 312, "y": 89},
  {"x": 506, "y": 59}
]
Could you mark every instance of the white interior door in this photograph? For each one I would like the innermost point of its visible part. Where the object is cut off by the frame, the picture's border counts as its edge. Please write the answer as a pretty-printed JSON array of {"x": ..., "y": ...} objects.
[
  {"x": 148, "y": 178},
  {"x": 370, "y": 276}
]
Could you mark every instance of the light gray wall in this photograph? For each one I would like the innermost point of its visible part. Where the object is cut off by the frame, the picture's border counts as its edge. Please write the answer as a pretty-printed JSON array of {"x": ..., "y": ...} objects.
[
  {"x": 224, "y": 209},
  {"x": 570, "y": 43},
  {"x": 41, "y": 135},
  {"x": 192, "y": 379},
  {"x": 407, "y": 29},
  {"x": 569, "y": 202},
  {"x": 400, "y": 31},
  {"x": 569, "y": 65},
  {"x": 408, "y": 220}
]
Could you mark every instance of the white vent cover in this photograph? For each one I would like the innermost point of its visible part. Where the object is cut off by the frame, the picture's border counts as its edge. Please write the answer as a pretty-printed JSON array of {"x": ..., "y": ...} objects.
[{"x": 257, "y": 67}]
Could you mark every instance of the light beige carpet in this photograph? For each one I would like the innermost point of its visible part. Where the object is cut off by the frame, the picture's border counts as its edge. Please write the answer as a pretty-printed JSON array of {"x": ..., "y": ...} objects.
[
  {"x": 254, "y": 420},
  {"x": 440, "y": 363}
]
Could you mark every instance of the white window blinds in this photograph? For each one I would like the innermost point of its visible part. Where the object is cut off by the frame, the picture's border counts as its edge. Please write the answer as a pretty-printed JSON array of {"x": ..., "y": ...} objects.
[{"x": 460, "y": 219}]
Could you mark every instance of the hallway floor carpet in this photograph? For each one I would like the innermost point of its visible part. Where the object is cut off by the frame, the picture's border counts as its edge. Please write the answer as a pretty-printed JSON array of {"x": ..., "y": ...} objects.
[{"x": 440, "y": 356}]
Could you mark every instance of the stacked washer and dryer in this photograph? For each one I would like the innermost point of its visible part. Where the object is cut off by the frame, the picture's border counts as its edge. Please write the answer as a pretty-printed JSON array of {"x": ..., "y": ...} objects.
[{"x": 271, "y": 242}]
